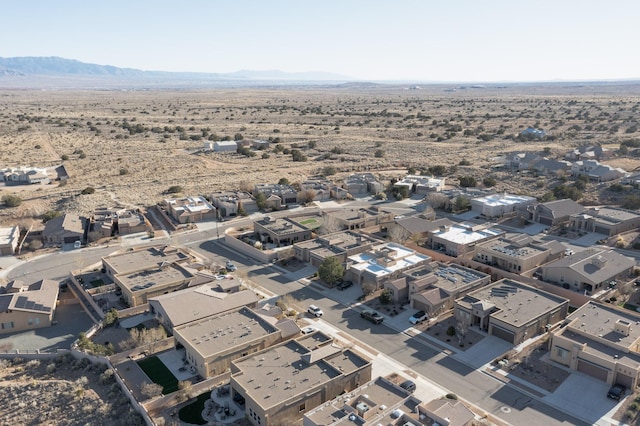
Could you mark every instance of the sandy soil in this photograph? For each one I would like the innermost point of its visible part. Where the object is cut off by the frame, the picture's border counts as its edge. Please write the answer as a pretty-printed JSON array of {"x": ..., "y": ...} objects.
[{"x": 131, "y": 146}]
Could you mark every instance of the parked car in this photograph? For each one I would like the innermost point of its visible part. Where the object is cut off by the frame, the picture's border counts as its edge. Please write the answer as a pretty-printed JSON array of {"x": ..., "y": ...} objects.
[
  {"x": 372, "y": 316},
  {"x": 616, "y": 392},
  {"x": 344, "y": 285},
  {"x": 231, "y": 267},
  {"x": 315, "y": 311},
  {"x": 418, "y": 317},
  {"x": 307, "y": 330},
  {"x": 408, "y": 385}
]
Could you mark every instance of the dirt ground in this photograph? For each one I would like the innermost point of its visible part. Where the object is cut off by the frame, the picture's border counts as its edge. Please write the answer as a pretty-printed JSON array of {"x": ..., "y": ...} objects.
[
  {"x": 132, "y": 146},
  {"x": 529, "y": 365},
  {"x": 439, "y": 331}
]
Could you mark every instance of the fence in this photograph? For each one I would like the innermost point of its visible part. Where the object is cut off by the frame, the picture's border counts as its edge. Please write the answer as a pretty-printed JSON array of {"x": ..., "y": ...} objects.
[{"x": 142, "y": 351}]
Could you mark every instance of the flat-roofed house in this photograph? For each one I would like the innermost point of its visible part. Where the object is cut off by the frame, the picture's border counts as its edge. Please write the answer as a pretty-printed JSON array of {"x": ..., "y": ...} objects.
[
  {"x": 498, "y": 205},
  {"x": 64, "y": 229},
  {"x": 280, "y": 231},
  {"x": 456, "y": 239},
  {"x": 225, "y": 146},
  {"x": 608, "y": 221},
  {"x": 230, "y": 204},
  {"x": 554, "y": 213},
  {"x": 212, "y": 343},
  {"x": 286, "y": 193},
  {"x": 281, "y": 383},
  {"x": 27, "y": 307},
  {"x": 381, "y": 263},
  {"x": 601, "y": 341},
  {"x": 195, "y": 303},
  {"x": 148, "y": 271},
  {"x": 190, "y": 209},
  {"x": 9, "y": 237},
  {"x": 379, "y": 401},
  {"x": 338, "y": 244},
  {"x": 518, "y": 253},
  {"x": 511, "y": 310},
  {"x": 358, "y": 218},
  {"x": 361, "y": 184},
  {"x": 589, "y": 270}
]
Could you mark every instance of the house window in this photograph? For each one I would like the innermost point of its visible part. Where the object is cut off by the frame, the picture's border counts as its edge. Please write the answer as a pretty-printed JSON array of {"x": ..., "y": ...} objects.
[
  {"x": 33, "y": 321},
  {"x": 302, "y": 407},
  {"x": 562, "y": 353},
  {"x": 6, "y": 325}
]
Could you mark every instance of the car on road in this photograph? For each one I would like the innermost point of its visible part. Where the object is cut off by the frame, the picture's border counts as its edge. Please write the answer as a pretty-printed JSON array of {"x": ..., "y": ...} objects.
[
  {"x": 418, "y": 317},
  {"x": 342, "y": 285},
  {"x": 616, "y": 392},
  {"x": 231, "y": 267},
  {"x": 408, "y": 385},
  {"x": 315, "y": 311},
  {"x": 372, "y": 316}
]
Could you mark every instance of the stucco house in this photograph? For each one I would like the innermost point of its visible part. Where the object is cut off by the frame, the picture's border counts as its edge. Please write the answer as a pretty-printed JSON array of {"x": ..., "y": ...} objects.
[
  {"x": 27, "y": 307},
  {"x": 9, "y": 237},
  {"x": 64, "y": 229}
]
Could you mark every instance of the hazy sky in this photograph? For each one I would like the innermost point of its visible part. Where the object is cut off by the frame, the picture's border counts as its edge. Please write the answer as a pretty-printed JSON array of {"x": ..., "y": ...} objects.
[{"x": 424, "y": 40}]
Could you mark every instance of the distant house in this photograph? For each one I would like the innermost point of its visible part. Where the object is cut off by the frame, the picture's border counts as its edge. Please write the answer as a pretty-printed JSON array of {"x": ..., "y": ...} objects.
[
  {"x": 190, "y": 209},
  {"x": 320, "y": 188},
  {"x": 421, "y": 185},
  {"x": 28, "y": 175},
  {"x": 553, "y": 213},
  {"x": 589, "y": 271},
  {"x": 455, "y": 239},
  {"x": 340, "y": 245},
  {"x": 596, "y": 172},
  {"x": 286, "y": 193},
  {"x": 521, "y": 160},
  {"x": 518, "y": 253},
  {"x": 64, "y": 229},
  {"x": 361, "y": 184},
  {"x": 589, "y": 152},
  {"x": 358, "y": 218},
  {"x": 209, "y": 145},
  {"x": 105, "y": 223},
  {"x": 260, "y": 144},
  {"x": 225, "y": 146},
  {"x": 27, "y": 307},
  {"x": 608, "y": 221},
  {"x": 230, "y": 203},
  {"x": 498, "y": 205},
  {"x": 9, "y": 237}
]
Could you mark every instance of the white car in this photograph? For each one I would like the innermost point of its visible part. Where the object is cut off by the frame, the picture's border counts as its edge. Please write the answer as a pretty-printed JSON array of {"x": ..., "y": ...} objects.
[
  {"x": 315, "y": 311},
  {"x": 418, "y": 317},
  {"x": 308, "y": 330},
  {"x": 231, "y": 267}
]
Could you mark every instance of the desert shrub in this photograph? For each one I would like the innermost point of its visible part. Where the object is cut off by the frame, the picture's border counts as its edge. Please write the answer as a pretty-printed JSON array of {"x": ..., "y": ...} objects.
[
  {"x": 124, "y": 172},
  {"x": 11, "y": 200},
  {"x": 451, "y": 331},
  {"x": 451, "y": 396},
  {"x": 51, "y": 214},
  {"x": 106, "y": 376},
  {"x": 51, "y": 368},
  {"x": 64, "y": 157},
  {"x": 34, "y": 363},
  {"x": 174, "y": 189},
  {"x": 110, "y": 317},
  {"x": 88, "y": 190}
]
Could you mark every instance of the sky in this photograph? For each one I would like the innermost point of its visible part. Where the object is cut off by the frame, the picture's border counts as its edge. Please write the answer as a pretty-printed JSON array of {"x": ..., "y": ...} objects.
[{"x": 372, "y": 40}]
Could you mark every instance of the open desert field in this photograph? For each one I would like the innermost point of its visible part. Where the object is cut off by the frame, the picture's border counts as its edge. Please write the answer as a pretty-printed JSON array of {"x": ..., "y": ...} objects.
[{"x": 131, "y": 146}]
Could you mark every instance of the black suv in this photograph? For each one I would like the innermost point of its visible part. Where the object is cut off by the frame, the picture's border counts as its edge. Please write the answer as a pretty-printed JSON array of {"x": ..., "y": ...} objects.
[
  {"x": 372, "y": 316},
  {"x": 616, "y": 392},
  {"x": 342, "y": 285}
]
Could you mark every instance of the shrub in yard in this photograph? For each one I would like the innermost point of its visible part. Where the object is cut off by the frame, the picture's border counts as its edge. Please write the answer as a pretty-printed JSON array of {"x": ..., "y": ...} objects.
[
  {"x": 451, "y": 331},
  {"x": 385, "y": 297},
  {"x": 11, "y": 200},
  {"x": 451, "y": 396}
]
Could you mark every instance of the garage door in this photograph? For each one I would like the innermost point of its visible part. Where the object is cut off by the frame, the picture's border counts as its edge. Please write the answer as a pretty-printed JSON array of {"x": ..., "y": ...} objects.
[
  {"x": 624, "y": 380},
  {"x": 503, "y": 334},
  {"x": 546, "y": 221},
  {"x": 592, "y": 370}
]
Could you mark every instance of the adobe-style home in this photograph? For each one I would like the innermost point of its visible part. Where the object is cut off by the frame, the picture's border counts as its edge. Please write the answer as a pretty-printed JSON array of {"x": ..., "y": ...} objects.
[
  {"x": 9, "y": 237},
  {"x": 27, "y": 307}
]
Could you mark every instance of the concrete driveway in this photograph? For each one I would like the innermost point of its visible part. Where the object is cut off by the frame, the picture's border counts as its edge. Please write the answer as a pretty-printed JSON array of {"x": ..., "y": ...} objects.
[{"x": 483, "y": 352}]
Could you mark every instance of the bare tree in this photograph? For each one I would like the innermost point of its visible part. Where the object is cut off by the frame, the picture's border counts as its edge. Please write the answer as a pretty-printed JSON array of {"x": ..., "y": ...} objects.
[
  {"x": 330, "y": 224},
  {"x": 151, "y": 389},
  {"x": 398, "y": 234},
  {"x": 462, "y": 326}
]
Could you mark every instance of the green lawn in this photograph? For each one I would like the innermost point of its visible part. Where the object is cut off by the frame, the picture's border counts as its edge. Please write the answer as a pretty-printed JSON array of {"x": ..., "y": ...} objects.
[
  {"x": 192, "y": 413},
  {"x": 97, "y": 282},
  {"x": 159, "y": 373}
]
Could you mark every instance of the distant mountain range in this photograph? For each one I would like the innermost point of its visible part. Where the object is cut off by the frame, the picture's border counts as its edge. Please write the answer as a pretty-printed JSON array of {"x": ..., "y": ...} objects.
[{"x": 60, "y": 72}]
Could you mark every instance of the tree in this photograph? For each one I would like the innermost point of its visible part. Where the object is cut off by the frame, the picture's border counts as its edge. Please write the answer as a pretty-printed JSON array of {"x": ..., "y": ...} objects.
[
  {"x": 110, "y": 317},
  {"x": 261, "y": 200},
  {"x": 385, "y": 297},
  {"x": 330, "y": 270},
  {"x": 489, "y": 181},
  {"x": 284, "y": 181},
  {"x": 329, "y": 171},
  {"x": 467, "y": 181},
  {"x": 307, "y": 196},
  {"x": 151, "y": 389},
  {"x": 238, "y": 137},
  {"x": 461, "y": 203},
  {"x": 312, "y": 144},
  {"x": 11, "y": 200},
  {"x": 378, "y": 153}
]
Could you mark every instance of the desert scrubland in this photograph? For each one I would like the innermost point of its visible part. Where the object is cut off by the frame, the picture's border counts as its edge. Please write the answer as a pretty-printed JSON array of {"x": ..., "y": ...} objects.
[{"x": 131, "y": 146}]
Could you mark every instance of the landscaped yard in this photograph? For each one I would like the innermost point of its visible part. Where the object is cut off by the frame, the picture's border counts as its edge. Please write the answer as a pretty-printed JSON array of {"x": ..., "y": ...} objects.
[
  {"x": 97, "y": 282},
  {"x": 159, "y": 373},
  {"x": 192, "y": 413}
]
